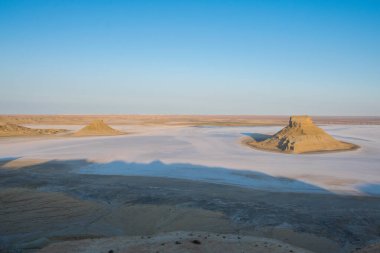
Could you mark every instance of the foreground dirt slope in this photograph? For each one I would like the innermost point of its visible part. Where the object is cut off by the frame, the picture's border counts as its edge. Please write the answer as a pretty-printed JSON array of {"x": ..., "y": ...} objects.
[
  {"x": 174, "y": 242},
  {"x": 46, "y": 202},
  {"x": 301, "y": 135},
  {"x": 32, "y": 219}
]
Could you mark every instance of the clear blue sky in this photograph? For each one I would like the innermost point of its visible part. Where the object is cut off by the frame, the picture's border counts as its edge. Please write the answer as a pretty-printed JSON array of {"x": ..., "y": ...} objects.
[{"x": 190, "y": 57}]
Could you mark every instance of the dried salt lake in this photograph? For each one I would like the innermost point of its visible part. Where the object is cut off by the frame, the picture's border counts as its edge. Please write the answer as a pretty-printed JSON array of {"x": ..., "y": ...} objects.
[{"x": 215, "y": 154}]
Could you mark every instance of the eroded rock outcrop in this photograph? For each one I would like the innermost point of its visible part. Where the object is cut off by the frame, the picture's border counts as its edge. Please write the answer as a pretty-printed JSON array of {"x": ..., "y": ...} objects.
[{"x": 301, "y": 135}]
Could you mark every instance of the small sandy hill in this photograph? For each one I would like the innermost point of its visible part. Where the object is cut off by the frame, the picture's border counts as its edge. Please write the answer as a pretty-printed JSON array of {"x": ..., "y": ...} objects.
[
  {"x": 301, "y": 136},
  {"x": 97, "y": 127},
  {"x": 9, "y": 129}
]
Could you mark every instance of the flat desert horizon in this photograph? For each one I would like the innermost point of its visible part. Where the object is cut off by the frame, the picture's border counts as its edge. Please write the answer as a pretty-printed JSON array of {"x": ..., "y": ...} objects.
[{"x": 178, "y": 119}]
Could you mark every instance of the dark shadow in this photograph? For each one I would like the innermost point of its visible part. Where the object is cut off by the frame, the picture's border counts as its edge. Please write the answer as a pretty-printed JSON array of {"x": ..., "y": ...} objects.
[
  {"x": 218, "y": 175},
  {"x": 246, "y": 198},
  {"x": 370, "y": 189},
  {"x": 183, "y": 171},
  {"x": 257, "y": 136}
]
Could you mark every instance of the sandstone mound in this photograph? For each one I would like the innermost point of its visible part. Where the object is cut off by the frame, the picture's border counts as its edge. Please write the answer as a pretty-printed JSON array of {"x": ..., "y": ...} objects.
[
  {"x": 301, "y": 136},
  {"x": 97, "y": 128},
  {"x": 8, "y": 129}
]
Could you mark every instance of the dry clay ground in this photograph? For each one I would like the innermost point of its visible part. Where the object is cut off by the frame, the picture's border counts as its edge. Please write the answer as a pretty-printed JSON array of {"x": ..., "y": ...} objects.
[{"x": 44, "y": 204}]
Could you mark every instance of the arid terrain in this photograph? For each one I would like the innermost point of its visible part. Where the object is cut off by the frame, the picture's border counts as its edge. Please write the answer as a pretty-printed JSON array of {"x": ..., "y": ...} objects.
[
  {"x": 174, "y": 187},
  {"x": 142, "y": 126},
  {"x": 202, "y": 120}
]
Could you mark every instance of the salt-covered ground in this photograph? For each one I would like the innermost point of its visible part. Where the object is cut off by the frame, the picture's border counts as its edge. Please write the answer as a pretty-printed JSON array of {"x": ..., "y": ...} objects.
[{"x": 216, "y": 154}]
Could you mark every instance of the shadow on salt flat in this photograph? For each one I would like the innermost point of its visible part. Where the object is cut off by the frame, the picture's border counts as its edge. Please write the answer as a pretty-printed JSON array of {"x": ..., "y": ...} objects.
[
  {"x": 244, "y": 178},
  {"x": 370, "y": 189}
]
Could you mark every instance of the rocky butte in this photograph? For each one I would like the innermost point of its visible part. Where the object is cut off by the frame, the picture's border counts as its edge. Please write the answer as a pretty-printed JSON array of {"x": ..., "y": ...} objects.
[{"x": 301, "y": 135}]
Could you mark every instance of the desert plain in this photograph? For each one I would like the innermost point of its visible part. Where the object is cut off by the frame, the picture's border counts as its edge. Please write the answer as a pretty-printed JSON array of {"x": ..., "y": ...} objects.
[{"x": 186, "y": 184}]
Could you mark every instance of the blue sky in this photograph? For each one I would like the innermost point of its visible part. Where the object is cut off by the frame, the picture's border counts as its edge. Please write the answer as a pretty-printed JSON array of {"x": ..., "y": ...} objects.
[{"x": 190, "y": 57}]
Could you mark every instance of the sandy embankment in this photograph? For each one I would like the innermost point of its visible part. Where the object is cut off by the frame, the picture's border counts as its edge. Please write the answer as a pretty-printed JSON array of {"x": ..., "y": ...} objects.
[{"x": 11, "y": 130}]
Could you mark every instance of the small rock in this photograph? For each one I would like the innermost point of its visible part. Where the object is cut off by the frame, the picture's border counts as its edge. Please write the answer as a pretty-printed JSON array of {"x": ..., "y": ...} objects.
[{"x": 196, "y": 242}]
